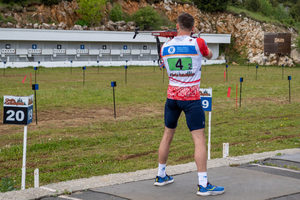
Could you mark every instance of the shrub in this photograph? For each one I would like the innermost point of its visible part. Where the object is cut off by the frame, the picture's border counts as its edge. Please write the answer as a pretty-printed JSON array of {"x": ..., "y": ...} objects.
[
  {"x": 211, "y": 6},
  {"x": 91, "y": 11},
  {"x": 81, "y": 22},
  {"x": 265, "y": 7},
  {"x": 295, "y": 11},
  {"x": 147, "y": 18},
  {"x": 116, "y": 13},
  {"x": 252, "y": 5}
]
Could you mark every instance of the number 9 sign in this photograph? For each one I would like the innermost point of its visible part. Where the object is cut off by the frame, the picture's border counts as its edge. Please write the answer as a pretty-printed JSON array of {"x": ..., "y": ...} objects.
[
  {"x": 18, "y": 110},
  {"x": 206, "y": 98}
]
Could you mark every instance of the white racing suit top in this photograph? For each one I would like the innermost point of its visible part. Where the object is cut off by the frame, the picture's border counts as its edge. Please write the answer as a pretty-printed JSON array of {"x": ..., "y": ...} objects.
[{"x": 182, "y": 57}]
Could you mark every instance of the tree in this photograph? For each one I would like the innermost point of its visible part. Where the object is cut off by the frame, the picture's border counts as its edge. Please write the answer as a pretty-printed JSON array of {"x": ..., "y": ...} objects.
[
  {"x": 91, "y": 11},
  {"x": 211, "y": 6},
  {"x": 147, "y": 18}
]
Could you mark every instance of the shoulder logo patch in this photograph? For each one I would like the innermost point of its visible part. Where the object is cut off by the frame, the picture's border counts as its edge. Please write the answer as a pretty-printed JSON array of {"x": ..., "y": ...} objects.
[{"x": 171, "y": 50}]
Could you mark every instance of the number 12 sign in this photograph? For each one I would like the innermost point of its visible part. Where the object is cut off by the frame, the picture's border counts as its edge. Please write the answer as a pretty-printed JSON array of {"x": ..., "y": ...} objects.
[
  {"x": 206, "y": 98},
  {"x": 17, "y": 110}
]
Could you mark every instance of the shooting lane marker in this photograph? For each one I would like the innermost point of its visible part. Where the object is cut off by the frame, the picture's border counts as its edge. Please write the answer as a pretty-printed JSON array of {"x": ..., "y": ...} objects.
[
  {"x": 39, "y": 62},
  {"x": 256, "y": 72},
  {"x": 241, "y": 81},
  {"x": 248, "y": 64},
  {"x": 98, "y": 65},
  {"x": 36, "y": 178},
  {"x": 30, "y": 79},
  {"x": 153, "y": 65},
  {"x": 282, "y": 71},
  {"x": 236, "y": 96},
  {"x": 225, "y": 150},
  {"x": 83, "y": 75},
  {"x": 206, "y": 102},
  {"x": 163, "y": 72},
  {"x": 23, "y": 81},
  {"x": 228, "y": 92},
  {"x": 113, "y": 85},
  {"x": 290, "y": 78},
  {"x": 19, "y": 110},
  {"x": 4, "y": 63},
  {"x": 35, "y": 69},
  {"x": 125, "y": 67},
  {"x": 226, "y": 73},
  {"x": 35, "y": 87},
  {"x": 71, "y": 61}
]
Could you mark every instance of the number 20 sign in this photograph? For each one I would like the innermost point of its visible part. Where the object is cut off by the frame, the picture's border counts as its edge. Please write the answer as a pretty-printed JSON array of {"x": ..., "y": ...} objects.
[
  {"x": 17, "y": 110},
  {"x": 206, "y": 98}
]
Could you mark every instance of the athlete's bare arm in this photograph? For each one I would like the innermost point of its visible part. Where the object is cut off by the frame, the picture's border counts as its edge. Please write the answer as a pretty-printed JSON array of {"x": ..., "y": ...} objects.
[{"x": 209, "y": 56}]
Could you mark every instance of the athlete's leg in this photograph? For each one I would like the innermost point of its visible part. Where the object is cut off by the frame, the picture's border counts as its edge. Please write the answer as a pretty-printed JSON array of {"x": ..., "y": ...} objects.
[
  {"x": 164, "y": 146},
  {"x": 200, "y": 149}
]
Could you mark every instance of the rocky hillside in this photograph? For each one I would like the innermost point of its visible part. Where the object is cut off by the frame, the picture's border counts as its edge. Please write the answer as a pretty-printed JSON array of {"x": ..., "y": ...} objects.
[{"x": 247, "y": 33}]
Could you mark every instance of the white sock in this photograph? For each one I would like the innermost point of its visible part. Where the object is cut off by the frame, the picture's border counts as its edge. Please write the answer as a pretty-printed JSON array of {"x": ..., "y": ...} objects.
[
  {"x": 161, "y": 170},
  {"x": 202, "y": 178}
]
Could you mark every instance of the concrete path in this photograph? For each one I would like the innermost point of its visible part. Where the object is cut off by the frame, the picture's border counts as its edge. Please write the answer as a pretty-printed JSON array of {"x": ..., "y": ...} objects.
[{"x": 244, "y": 181}]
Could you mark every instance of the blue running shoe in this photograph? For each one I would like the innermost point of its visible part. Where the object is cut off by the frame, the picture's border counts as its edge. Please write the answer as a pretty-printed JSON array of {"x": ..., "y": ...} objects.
[
  {"x": 159, "y": 181},
  {"x": 210, "y": 190}
]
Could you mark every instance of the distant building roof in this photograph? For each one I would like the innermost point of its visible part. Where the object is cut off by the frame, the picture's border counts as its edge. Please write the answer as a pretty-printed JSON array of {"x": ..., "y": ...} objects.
[{"x": 7, "y": 34}]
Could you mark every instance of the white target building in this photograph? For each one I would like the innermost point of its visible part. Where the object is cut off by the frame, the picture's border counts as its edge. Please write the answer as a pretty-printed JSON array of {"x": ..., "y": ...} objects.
[{"x": 63, "y": 48}]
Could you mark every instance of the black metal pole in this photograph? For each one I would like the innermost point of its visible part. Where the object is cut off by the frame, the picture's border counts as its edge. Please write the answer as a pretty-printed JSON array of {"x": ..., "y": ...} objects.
[
  {"x": 290, "y": 91},
  {"x": 4, "y": 69},
  {"x": 290, "y": 78},
  {"x": 126, "y": 75},
  {"x": 241, "y": 81},
  {"x": 35, "y": 76},
  {"x": 282, "y": 71},
  {"x": 163, "y": 71},
  {"x": 226, "y": 74},
  {"x": 115, "y": 115},
  {"x": 248, "y": 64},
  {"x": 256, "y": 72},
  {"x": 83, "y": 77},
  {"x": 240, "y": 94},
  {"x": 36, "y": 115}
]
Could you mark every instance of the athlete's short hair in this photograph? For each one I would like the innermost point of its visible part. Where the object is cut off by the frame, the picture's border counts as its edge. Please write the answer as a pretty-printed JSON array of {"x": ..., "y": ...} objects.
[{"x": 185, "y": 21}]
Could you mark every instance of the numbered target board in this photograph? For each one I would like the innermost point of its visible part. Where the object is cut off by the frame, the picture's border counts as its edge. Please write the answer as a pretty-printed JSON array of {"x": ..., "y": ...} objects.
[
  {"x": 17, "y": 110},
  {"x": 206, "y": 98}
]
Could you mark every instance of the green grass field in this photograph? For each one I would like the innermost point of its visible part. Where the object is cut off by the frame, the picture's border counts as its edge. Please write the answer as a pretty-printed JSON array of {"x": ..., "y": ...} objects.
[{"x": 77, "y": 135}]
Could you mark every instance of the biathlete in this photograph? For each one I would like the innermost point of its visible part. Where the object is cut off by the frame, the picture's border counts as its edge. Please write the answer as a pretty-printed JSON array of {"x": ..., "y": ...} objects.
[{"x": 182, "y": 57}]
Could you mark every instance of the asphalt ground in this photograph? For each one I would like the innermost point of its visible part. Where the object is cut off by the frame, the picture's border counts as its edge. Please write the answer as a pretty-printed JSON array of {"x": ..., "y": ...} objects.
[{"x": 241, "y": 178}]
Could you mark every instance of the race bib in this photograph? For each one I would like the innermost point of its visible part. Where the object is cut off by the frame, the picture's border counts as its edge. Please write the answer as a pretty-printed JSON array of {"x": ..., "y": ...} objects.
[{"x": 180, "y": 64}]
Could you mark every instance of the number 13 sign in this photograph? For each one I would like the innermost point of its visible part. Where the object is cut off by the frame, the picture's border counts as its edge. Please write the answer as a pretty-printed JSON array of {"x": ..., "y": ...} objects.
[
  {"x": 206, "y": 98},
  {"x": 18, "y": 110}
]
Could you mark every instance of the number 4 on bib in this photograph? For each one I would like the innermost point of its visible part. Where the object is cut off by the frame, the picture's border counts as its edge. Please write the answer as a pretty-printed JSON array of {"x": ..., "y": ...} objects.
[{"x": 180, "y": 64}]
